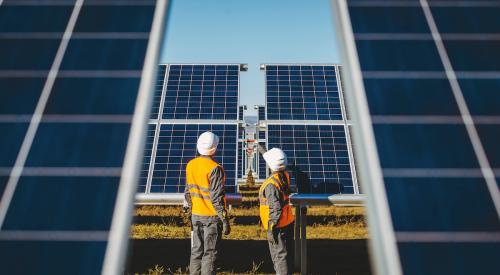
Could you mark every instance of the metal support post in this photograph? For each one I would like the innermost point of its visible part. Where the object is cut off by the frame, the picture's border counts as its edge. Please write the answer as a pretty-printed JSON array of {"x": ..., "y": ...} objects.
[
  {"x": 297, "y": 238},
  {"x": 303, "y": 240}
]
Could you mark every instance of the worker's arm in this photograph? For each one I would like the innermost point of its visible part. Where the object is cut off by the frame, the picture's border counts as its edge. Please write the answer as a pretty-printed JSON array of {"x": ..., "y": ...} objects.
[
  {"x": 261, "y": 148},
  {"x": 187, "y": 199},
  {"x": 217, "y": 193},
  {"x": 272, "y": 195}
]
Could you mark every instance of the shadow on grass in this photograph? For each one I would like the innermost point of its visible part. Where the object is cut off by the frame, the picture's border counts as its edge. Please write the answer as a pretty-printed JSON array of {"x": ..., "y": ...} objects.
[{"x": 341, "y": 257}]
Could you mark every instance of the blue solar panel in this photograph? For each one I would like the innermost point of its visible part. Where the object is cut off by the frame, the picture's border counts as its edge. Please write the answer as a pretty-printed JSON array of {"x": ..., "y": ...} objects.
[
  {"x": 428, "y": 155},
  {"x": 70, "y": 176},
  {"x": 262, "y": 164},
  {"x": 241, "y": 112},
  {"x": 241, "y": 163},
  {"x": 177, "y": 146},
  {"x": 262, "y": 112},
  {"x": 302, "y": 92},
  {"x": 146, "y": 161},
  {"x": 317, "y": 154},
  {"x": 202, "y": 92},
  {"x": 160, "y": 82}
]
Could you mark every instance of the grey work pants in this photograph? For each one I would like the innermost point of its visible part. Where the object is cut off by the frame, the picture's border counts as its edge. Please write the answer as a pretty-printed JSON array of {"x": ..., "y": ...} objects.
[
  {"x": 207, "y": 232},
  {"x": 280, "y": 241}
]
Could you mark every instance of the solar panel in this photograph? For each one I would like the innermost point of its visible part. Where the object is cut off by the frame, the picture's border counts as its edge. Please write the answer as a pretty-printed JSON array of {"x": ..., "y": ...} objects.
[
  {"x": 241, "y": 164},
  {"x": 202, "y": 92},
  {"x": 69, "y": 79},
  {"x": 430, "y": 71},
  {"x": 177, "y": 146},
  {"x": 159, "y": 88},
  {"x": 241, "y": 110},
  {"x": 261, "y": 112},
  {"x": 262, "y": 164},
  {"x": 319, "y": 153},
  {"x": 302, "y": 92},
  {"x": 147, "y": 158}
]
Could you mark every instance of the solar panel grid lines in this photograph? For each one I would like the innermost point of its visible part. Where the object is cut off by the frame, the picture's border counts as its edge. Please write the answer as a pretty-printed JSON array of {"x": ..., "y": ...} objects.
[
  {"x": 159, "y": 92},
  {"x": 464, "y": 110},
  {"x": 317, "y": 153},
  {"x": 71, "y": 157},
  {"x": 177, "y": 145},
  {"x": 262, "y": 112},
  {"x": 196, "y": 91},
  {"x": 304, "y": 92},
  {"x": 347, "y": 128},
  {"x": 439, "y": 159},
  {"x": 36, "y": 118}
]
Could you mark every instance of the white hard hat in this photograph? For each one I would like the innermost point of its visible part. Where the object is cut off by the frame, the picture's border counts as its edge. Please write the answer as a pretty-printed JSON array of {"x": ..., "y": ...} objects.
[
  {"x": 276, "y": 159},
  {"x": 207, "y": 143}
]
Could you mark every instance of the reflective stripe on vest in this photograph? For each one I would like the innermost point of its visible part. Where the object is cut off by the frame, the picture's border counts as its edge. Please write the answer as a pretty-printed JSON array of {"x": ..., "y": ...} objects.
[
  {"x": 198, "y": 173},
  {"x": 286, "y": 217}
]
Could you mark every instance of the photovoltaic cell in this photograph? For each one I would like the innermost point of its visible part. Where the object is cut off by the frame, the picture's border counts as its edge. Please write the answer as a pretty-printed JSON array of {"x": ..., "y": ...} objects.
[
  {"x": 202, "y": 92},
  {"x": 317, "y": 155},
  {"x": 426, "y": 152},
  {"x": 240, "y": 112},
  {"x": 160, "y": 82},
  {"x": 262, "y": 112},
  {"x": 70, "y": 179},
  {"x": 241, "y": 165},
  {"x": 148, "y": 153},
  {"x": 262, "y": 164},
  {"x": 177, "y": 146},
  {"x": 302, "y": 92}
]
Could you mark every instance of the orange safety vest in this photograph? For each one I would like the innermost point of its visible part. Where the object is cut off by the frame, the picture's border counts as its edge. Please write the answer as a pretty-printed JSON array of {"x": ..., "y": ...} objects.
[
  {"x": 197, "y": 178},
  {"x": 286, "y": 217}
]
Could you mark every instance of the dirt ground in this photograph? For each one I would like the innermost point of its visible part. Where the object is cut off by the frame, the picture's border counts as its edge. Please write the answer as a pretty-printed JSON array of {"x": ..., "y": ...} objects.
[{"x": 338, "y": 257}]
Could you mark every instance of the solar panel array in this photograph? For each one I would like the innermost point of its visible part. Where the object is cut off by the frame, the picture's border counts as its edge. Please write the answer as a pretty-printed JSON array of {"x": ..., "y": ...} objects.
[
  {"x": 202, "y": 92},
  {"x": 319, "y": 151},
  {"x": 194, "y": 98},
  {"x": 306, "y": 119},
  {"x": 431, "y": 73},
  {"x": 177, "y": 145},
  {"x": 69, "y": 80},
  {"x": 302, "y": 92}
]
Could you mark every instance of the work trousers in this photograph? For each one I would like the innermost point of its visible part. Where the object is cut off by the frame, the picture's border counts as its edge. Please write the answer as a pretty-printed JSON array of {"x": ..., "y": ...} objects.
[
  {"x": 280, "y": 242},
  {"x": 207, "y": 232}
]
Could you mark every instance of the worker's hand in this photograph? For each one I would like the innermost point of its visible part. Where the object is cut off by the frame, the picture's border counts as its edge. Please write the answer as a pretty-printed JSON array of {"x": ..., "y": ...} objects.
[
  {"x": 226, "y": 228},
  {"x": 273, "y": 231}
]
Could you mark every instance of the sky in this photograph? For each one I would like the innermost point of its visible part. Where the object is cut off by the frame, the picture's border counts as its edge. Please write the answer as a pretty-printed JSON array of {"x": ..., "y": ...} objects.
[{"x": 250, "y": 31}]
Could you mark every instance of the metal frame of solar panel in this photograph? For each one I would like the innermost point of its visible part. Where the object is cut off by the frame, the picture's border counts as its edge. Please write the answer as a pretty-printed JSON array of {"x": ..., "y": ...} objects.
[
  {"x": 430, "y": 170},
  {"x": 75, "y": 82},
  {"x": 185, "y": 90},
  {"x": 307, "y": 96}
]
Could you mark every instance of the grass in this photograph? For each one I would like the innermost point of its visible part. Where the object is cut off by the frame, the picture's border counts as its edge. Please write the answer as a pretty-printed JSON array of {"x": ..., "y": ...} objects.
[
  {"x": 338, "y": 223},
  {"x": 163, "y": 211},
  {"x": 160, "y": 270},
  {"x": 350, "y": 231}
]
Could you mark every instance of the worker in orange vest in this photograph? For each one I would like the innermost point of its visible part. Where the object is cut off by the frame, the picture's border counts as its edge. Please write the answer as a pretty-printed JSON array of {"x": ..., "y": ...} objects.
[
  {"x": 275, "y": 210},
  {"x": 205, "y": 197}
]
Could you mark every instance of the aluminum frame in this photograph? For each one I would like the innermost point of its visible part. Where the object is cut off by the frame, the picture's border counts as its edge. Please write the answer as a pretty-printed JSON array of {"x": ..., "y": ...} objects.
[{"x": 384, "y": 253}]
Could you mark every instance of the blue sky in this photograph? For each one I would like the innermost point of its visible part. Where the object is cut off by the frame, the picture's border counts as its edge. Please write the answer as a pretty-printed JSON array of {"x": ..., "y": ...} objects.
[{"x": 250, "y": 31}]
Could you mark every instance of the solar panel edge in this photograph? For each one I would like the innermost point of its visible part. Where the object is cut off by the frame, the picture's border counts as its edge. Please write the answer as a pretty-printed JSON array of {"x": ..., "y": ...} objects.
[
  {"x": 116, "y": 251},
  {"x": 385, "y": 255}
]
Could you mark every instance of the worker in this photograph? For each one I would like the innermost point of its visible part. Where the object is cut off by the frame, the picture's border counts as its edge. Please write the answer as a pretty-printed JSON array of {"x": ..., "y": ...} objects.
[
  {"x": 205, "y": 198},
  {"x": 275, "y": 210}
]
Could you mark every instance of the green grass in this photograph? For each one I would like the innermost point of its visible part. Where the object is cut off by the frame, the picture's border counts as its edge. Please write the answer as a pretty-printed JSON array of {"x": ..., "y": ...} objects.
[{"x": 338, "y": 223}]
